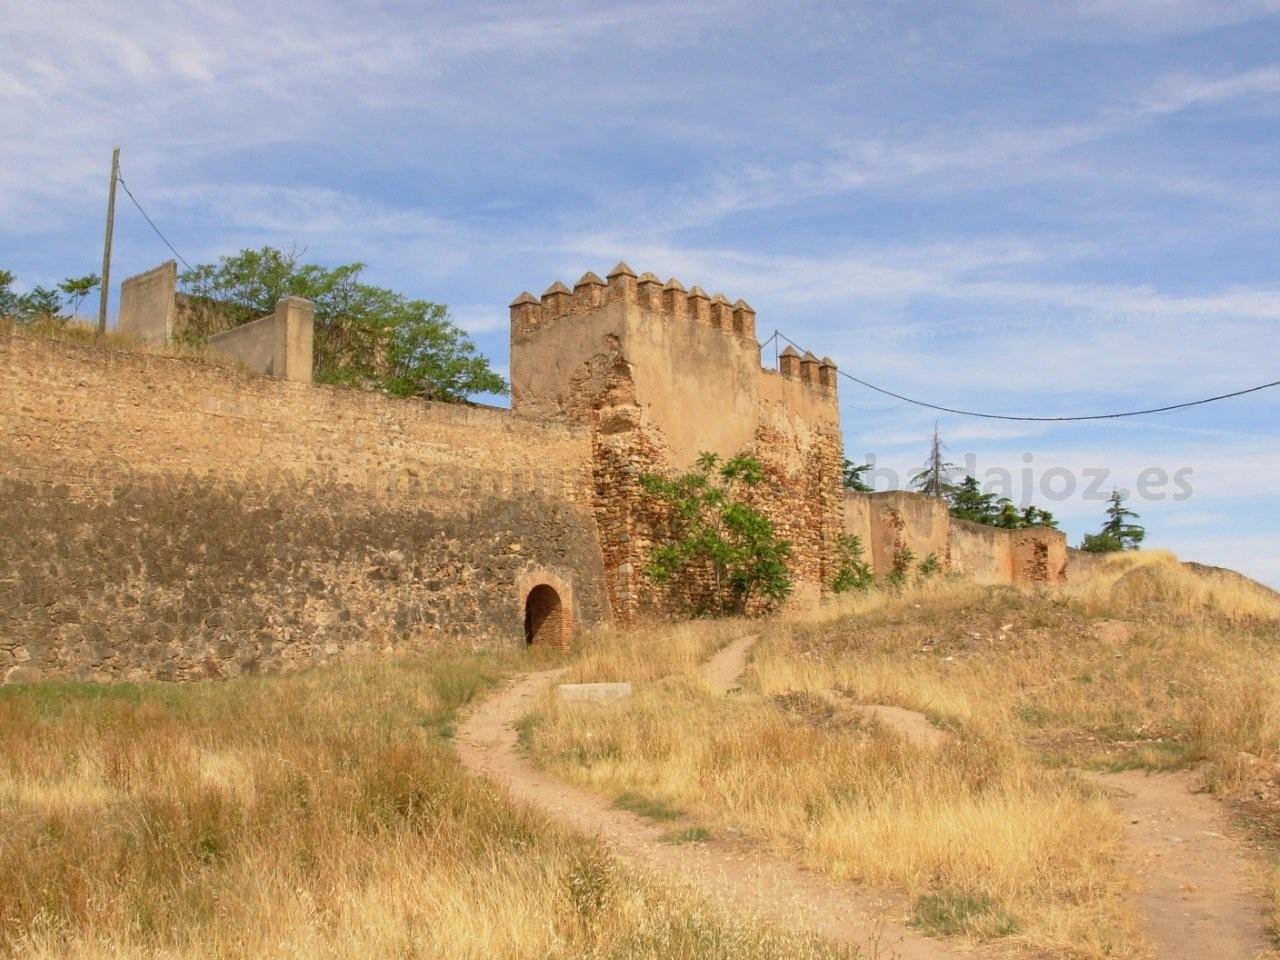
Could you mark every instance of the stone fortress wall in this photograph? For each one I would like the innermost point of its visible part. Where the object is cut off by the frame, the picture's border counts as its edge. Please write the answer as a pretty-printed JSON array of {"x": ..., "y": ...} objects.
[
  {"x": 170, "y": 518},
  {"x": 660, "y": 375}
]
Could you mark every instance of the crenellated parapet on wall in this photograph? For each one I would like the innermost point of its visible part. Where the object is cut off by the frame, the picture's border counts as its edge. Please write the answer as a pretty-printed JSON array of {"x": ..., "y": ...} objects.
[{"x": 663, "y": 373}]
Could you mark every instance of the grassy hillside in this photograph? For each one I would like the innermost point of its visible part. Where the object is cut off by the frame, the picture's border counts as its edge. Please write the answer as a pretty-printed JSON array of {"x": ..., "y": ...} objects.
[
  {"x": 994, "y": 836},
  {"x": 316, "y": 815}
]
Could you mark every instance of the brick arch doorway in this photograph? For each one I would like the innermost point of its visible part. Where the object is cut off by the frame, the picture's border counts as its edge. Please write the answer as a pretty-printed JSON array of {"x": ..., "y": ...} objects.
[{"x": 544, "y": 617}]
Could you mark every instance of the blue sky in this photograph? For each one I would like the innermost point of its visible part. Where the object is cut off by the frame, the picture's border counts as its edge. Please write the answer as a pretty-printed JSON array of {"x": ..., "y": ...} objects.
[{"x": 1019, "y": 207}]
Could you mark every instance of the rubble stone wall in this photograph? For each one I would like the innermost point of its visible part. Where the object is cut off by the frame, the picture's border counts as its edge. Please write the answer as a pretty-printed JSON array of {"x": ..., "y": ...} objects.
[{"x": 167, "y": 518}]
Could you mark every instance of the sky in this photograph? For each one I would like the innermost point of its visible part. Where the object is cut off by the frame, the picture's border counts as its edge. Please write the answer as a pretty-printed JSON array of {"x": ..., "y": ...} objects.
[{"x": 1016, "y": 207}]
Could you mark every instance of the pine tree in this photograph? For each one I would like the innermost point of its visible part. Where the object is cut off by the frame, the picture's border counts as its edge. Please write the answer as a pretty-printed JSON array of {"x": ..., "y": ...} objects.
[
  {"x": 1033, "y": 516},
  {"x": 934, "y": 478},
  {"x": 851, "y": 476},
  {"x": 1007, "y": 515},
  {"x": 1118, "y": 525},
  {"x": 968, "y": 502}
]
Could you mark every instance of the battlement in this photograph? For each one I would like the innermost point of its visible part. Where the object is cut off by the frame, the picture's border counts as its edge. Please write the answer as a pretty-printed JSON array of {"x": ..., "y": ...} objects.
[
  {"x": 808, "y": 369},
  {"x": 670, "y": 301}
]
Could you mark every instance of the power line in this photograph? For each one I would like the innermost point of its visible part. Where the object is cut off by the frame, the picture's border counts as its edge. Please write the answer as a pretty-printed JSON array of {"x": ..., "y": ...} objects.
[
  {"x": 152, "y": 223},
  {"x": 1005, "y": 416}
]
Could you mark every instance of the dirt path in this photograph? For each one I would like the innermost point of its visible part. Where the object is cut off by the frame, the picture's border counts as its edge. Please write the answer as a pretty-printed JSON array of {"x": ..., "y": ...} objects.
[
  {"x": 1195, "y": 902},
  {"x": 724, "y": 669},
  {"x": 722, "y": 869}
]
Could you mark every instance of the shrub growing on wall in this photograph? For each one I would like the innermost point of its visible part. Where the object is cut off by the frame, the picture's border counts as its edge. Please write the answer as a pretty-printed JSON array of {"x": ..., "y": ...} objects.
[
  {"x": 364, "y": 335},
  {"x": 854, "y": 572},
  {"x": 715, "y": 532}
]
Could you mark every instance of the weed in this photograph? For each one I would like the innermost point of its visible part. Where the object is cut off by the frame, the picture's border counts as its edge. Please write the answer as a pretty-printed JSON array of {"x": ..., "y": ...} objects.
[
  {"x": 952, "y": 914},
  {"x": 645, "y": 806},
  {"x": 691, "y": 835}
]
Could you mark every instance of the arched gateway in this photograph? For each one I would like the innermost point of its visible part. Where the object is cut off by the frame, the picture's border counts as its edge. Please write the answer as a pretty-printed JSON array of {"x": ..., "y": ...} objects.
[{"x": 544, "y": 619}]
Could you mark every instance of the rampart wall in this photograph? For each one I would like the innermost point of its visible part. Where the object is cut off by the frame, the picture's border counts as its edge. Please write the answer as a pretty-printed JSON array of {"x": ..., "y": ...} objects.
[
  {"x": 172, "y": 519},
  {"x": 895, "y": 524}
]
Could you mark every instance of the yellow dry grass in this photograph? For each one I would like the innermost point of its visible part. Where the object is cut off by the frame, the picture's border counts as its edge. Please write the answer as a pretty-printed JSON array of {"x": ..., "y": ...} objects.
[
  {"x": 320, "y": 815},
  {"x": 992, "y": 836},
  {"x": 84, "y": 332}
]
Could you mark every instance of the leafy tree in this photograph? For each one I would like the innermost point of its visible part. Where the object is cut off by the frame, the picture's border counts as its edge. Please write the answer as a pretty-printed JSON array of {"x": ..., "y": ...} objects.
[
  {"x": 713, "y": 527},
  {"x": 852, "y": 476},
  {"x": 969, "y": 502},
  {"x": 929, "y": 567},
  {"x": 8, "y": 299},
  {"x": 1033, "y": 516},
  {"x": 39, "y": 305},
  {"x": 1101, "y": 543},
  {"x": 75, "y": 289},
  {"x": 1007, "y": 515},
  {"x": 854, "y": 572},
  {"x": 902, "y": 560},
  {"x": 365, "y": 335},
  {"x": 934, "y": 478},
  {"x": 1118, "y": 532}
]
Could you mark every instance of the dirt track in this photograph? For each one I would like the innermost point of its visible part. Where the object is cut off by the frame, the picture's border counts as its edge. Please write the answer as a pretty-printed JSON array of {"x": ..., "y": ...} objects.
[
  {"x": 722, "y": 869},
  {"x": 1195, "y": 901}
]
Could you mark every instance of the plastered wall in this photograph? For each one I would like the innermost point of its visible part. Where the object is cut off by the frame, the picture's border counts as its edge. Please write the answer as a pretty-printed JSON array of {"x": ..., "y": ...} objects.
[
  {"x": 166, "y": 518},
  {"x": 147, "y": 304}
]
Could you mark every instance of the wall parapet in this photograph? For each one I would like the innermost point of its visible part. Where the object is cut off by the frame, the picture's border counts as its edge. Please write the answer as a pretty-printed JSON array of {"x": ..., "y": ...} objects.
[
  {"x": 147, "y": 304},
  {"x": 277, "y": 345},
  {"x": 670, "y": 301},
  {"x": 893, "y": 524}
]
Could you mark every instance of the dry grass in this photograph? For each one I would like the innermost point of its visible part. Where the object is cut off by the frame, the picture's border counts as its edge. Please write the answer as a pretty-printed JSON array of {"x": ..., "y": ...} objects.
[
  {"x": 85, "y": 333},
  {"x": 992, "y": 836},
  {"x": 1271, "y": 887},
  {"x": 318, "y": 815}
]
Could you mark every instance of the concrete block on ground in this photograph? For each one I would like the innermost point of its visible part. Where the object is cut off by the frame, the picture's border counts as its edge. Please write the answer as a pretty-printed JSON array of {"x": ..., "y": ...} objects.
[{"x": 594, "y": 692}]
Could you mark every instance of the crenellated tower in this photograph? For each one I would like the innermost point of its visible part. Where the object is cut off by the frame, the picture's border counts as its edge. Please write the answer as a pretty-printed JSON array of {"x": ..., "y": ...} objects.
[{"x": 662, "y": 374}]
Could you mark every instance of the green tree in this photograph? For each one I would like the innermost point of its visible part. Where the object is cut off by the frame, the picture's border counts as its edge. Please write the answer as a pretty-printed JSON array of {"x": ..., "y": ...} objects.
[
  {"x": 1100, "y": 543},
  {"x": 1007, "y": 515},
  {"x": 365, "y": 335},
  {"x": 969, "y": 502},
  {"x": 8, "y": 299},
  {"x": 39, "y": 305},
  {"x": 75, "y": 289},
  {"x": 934, "y": 478},
  {"x": 1119, "y": 526},
  {"x": 1033, "y": 516},
  {"x": 714, "y": 528},
  {"x": 851, "y": 476}
]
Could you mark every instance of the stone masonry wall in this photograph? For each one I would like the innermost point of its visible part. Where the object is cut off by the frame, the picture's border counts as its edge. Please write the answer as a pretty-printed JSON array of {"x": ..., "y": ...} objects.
[
  {"x": 661, "y": 375},
  {"x": 164, "y": 518},
  {"x": 899, "y": 522}
]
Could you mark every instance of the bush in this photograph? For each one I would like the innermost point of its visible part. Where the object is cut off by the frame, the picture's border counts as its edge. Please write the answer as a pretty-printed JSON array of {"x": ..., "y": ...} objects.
[
  {"x": 712, "y": 526},
  {"x": 854, "y": 572}
]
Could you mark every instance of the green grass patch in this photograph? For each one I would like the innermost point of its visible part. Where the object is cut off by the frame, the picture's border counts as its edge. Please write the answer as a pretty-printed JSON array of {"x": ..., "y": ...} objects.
[
  {"x": 650, "y": 807},
  {"x": 692, "y": 835},
  {"x": 951, "y": 913},
  {"x": 527, "y": 728}
]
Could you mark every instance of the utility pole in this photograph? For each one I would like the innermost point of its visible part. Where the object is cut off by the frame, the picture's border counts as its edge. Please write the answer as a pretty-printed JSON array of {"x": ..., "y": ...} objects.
[{"x": 105, "y": 289}]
